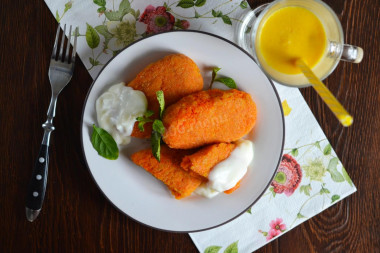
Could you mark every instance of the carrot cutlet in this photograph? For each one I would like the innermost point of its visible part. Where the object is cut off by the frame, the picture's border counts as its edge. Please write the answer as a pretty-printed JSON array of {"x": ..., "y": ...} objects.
[
  {"x": 208, "y": 117},
  {"x": 169, "y": 171},
  {"x": 176, "y": 75},
  {"x": 202, "y": 161}
]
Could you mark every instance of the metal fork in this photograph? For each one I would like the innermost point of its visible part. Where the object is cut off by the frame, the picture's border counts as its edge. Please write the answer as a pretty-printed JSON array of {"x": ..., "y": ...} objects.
[{"x": 60, "y": 73}]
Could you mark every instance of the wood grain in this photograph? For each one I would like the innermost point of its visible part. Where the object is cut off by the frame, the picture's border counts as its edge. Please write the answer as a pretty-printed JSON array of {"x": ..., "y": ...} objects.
[{"x": 76, "y": 217}]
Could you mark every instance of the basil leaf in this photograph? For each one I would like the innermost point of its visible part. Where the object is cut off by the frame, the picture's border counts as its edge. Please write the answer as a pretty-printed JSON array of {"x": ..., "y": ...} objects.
[
  {"x": 155, "y": 142},
  {"x": 104, "y": 143},
  {"x": 158, "y": 126},
  {"x": 161, "y": 101},
  {"x": 229, "y": 82}
]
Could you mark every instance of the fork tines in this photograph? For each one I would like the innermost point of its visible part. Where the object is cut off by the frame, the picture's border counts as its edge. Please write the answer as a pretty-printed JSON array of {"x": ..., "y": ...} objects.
[{"x": 61, "y": 57}]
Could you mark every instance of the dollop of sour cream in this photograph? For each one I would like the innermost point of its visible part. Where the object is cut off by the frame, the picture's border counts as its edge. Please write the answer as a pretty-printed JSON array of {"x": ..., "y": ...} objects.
[
  {"x": 228, "y": 172},
  {"x": 117, "y": 110}
]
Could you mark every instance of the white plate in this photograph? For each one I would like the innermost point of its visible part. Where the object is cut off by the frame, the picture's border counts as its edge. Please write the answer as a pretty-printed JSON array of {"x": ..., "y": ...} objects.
[{"x": 138, "y": 194}]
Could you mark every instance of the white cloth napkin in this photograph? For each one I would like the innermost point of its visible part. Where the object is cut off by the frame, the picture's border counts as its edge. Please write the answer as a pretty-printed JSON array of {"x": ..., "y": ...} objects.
[{"x": 310, "y": 178}]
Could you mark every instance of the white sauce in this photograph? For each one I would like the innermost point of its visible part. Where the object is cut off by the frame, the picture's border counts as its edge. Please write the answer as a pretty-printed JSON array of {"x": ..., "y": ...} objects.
[
  {"x": 228, "y": 172},
  {"x": 206, "y": 191},
  {"x": 117, "y": 110}
]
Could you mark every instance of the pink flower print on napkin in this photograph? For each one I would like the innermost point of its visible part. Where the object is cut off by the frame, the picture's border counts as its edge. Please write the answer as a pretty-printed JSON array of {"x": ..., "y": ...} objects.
[
  {"x": 288, "y": 176},
  {"x": 272, "y": 233},
  {"x": 185, "y": 24},
  {"x": 182, "y": 24},
  {"x": 277, "y": 225},
  {"x": 276, "y": 228},
  {"x": 157, "y": 19}
]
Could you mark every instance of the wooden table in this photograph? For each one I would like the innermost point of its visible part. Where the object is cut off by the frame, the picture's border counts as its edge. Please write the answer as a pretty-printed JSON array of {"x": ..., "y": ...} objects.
[{"x": 76, "y": 217}]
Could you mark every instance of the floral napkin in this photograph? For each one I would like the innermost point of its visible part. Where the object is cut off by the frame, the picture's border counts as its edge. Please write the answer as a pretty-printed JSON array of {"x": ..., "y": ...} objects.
[{"x": 310, "y": 177}]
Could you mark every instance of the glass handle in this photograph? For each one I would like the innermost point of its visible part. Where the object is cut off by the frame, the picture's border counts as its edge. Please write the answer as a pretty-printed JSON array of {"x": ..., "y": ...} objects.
[{"x": 352, "y": 53}]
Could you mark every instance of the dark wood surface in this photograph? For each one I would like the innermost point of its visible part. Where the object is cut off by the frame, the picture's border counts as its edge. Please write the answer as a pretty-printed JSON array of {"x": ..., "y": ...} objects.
[{"x": 76, "y": 217}]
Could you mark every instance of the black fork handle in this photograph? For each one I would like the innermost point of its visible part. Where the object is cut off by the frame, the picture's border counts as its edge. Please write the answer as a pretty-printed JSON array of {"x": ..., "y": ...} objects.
[{"x": 37, "y": 184}]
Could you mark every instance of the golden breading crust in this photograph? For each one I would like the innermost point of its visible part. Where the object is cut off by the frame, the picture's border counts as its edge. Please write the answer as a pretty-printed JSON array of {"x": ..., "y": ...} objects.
[
  {"x": 169, "y": 171},
  {"x": 202, "y": 161},
  {"x": 208, "y": 117},
  {"x": 176, "y": 75}
]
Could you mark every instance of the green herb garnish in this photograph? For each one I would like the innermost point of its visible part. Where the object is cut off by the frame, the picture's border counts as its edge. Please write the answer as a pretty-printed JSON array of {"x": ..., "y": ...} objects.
[
  {"x": 228, "y": 81},
  {"x": 158, "y": 127},
  {"x": 144, "y": 119},
  {"x": 214, "y": 71},
  {"x": 104, "y": 143},
  {"x": 155, "y": 142},
  {"x": 161, "y": 101}
]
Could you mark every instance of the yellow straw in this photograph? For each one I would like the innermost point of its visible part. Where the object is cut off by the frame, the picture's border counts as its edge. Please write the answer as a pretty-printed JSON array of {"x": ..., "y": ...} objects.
[{"x": 343, "y": 116}]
